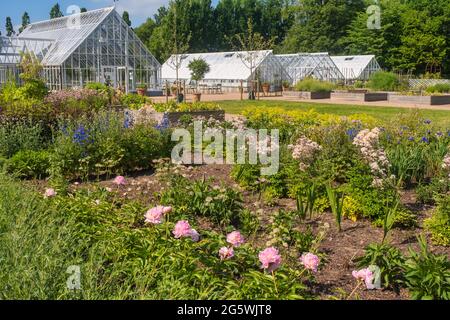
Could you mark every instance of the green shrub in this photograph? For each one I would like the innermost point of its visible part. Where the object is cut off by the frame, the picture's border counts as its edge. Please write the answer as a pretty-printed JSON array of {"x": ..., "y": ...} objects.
[
  {"x": 427, "y": 276},
  {"x": 389, "y": 259},
  {"x": 222, "y": 205},
  {"x": 384, "y": 81},
  {"x": 133, "y": 101},
  {"x": 15, "y": 137},
  {"x": 29, "y": 164},
  {"x": 313, "y": 85},
  {"x": 426, "y": 192},
  {"x": 439, "y": 224},
  {"x": 172, "y": 106},
  {"x": 106, "y": 143},
  {"x": 439, "y": 88}
]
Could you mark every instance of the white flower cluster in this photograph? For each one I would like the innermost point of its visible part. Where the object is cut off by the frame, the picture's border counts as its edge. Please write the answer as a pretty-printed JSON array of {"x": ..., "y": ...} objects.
[
  {"x": 446, "y": 162},
  {"x": 304, "y": 150},
  {"x": 368, "y": 143}
]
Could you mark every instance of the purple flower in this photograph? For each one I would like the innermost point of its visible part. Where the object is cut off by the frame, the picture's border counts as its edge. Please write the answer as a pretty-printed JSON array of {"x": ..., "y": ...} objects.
[
  {"x": 411, "y": 138},
  {"x": 425, "y": 140},
  {"x": 427, "y": 121}
]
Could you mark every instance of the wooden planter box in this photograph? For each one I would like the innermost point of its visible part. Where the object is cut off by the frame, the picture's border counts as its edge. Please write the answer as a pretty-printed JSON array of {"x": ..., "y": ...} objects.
[
  {"x": 308, "y": 95},
  {"x": 425, "y": 100},
  {"x": 218, "y": 115},
  {"x": 360, "y": 96}
]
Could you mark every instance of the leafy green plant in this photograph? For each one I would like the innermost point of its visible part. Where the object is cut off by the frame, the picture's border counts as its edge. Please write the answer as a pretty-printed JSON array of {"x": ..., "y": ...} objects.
[
  {"x": 385, "y": 81},
  {"x": 427, "y": 275},
  {"x": 305, "y": 201},
  {"x": 336, "y": 199},
  {"x": 29, "y": 164},
  {"x": 17, "y": 136},
  {"x": 439, "y": 88},
  {"x": 313, "y": 85},
  {"x": 439, "y": 224},
  {"x": 133, "y": 101},
  {"x": 222, "y": 205},
  {"x": 386, "y": 257}
]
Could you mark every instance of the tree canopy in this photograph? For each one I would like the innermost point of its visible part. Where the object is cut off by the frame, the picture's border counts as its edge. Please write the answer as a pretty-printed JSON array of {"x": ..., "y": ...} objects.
[{"x": 414, "y": 35}]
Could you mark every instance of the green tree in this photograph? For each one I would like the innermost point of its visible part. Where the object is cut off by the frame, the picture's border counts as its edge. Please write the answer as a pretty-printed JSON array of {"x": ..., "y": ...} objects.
[
  {"x": 9, "y": 27},
  {"x": 250, "y": 45},
  {"x": 82, "y": 10},
  {"x": 320, "y": 24},
  {"x": 199, "y": 68},
  {"x": 126, "y": 18},
  {"x": 25, "y": 22},
  {"x": 55, "y": 12}
]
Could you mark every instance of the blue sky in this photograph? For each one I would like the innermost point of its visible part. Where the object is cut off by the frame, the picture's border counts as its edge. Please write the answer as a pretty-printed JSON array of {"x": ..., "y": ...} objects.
[{"x": 39, "y": 9}]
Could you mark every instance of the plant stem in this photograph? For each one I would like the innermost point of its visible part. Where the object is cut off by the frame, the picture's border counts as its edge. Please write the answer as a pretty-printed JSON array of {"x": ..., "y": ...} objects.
[{"x": 354, "y": 290}]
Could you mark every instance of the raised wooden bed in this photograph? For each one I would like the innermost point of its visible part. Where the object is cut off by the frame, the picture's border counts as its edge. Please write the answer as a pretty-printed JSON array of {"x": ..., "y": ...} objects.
[
  {"x": 308, "y": 95},
  {"x": 360, "y": 96},
  {"x": 425, "y": 100},
  {"x": 218, "y": 115}
]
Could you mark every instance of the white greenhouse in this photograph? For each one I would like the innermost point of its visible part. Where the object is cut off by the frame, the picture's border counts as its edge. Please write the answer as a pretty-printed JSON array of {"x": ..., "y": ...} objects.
[
  {"x": 228, "y": 69},
  {"x": 356, "y": 67},
  {"x": 96, "y": 46}
]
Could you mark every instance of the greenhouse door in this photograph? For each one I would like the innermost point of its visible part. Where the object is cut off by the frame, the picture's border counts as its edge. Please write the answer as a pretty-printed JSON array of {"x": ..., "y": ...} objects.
[
  {"x": 109, "y": 76},
  {"x": 122, "y": 79}
]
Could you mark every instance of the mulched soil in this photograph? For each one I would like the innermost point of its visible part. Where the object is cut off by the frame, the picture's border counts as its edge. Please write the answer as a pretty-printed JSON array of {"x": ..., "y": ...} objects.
[{"x": 334, "y": 279}]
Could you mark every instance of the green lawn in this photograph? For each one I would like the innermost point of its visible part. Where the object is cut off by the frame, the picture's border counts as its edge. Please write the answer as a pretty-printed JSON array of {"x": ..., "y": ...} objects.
[{"x": 439, "y": 117}]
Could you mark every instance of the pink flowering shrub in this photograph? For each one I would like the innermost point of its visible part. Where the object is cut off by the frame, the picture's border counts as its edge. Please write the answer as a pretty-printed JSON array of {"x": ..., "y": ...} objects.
[
  {"x": 75, "y": 102},
  {"x": 304, "y": 150},
  {"x": 373, "y": 154},
  {"x": 270, "y": 259}
]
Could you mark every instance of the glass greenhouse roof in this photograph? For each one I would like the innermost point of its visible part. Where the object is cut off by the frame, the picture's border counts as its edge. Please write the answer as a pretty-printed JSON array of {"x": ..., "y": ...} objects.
[
  {"x": 355, "y": 67},
  {"x": 11, "y": 48},
  {"x": 66, "y": 32},
  {"x": 302, "y": 65}
]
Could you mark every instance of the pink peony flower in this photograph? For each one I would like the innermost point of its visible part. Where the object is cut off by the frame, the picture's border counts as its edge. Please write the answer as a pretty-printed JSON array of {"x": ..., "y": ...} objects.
[
  {"x": 365, "y": 275},
  {"x": 235, "y": 238},
  {"x": 310, "y": 261},
  {"x": 182, "y": 229},
  {"x": 195, "y": 236},
  {"x": 270, "y": 259},
  {"x": 50, "y": 192},
  {"x": 120, "y": 181},
  {"x": 154, "y": 215},
  {"x": 226, "y": 253}
]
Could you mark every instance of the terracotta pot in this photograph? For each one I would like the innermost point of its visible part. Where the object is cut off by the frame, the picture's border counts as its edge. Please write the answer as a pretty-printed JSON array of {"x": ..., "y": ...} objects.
[
  {"x": 197, "y": 97},
  {"x": 141, "y": 91}
]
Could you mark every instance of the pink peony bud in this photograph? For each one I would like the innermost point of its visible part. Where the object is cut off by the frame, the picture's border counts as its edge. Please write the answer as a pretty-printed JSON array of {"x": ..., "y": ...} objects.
[
  {"x": 120, "y": 181},
  {"x": 50, "y": 192},
  {"x": 235, "y": 238}
]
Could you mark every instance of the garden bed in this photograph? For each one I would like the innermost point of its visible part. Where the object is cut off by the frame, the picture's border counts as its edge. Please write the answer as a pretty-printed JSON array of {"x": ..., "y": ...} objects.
[
  {"x": 425, "y": 100},
  {"x": 307, "y": 95},
  {"x": 360, "y": 96}
]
